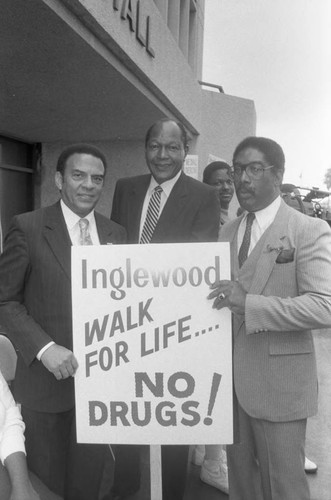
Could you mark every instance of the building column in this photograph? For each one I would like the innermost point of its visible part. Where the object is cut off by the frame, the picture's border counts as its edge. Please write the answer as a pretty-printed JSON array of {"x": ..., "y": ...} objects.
[
  {"x": 162, "y": 5},
  {"x": 184, "y": 27},
  {"x": 174, "y": 17}
]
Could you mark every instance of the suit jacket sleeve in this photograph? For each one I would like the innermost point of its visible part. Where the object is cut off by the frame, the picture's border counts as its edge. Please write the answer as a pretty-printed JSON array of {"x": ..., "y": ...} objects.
[
  {"x": 206, "y": 223},
  {"x": 311, "y": 307},
  {"x": 25, "y": 333},
  {"x": 116, "y": 210}
]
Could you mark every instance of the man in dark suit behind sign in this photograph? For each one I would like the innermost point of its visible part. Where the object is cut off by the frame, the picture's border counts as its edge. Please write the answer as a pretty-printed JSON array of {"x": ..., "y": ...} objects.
[
  {"x": 35, "y": 310},
  {"x": 165, "y": 206}
]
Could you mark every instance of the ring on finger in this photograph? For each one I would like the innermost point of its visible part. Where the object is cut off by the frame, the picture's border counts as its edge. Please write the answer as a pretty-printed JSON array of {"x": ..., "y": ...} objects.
[{"x": 221, "y": 296}]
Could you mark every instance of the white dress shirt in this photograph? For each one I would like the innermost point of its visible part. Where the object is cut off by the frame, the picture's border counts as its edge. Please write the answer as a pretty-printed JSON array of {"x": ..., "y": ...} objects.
[
  {"x": 72, "y": 223},
  {"x": 11, "y": 423},
  {"x": 167, "y": 187},
  {"x": 263, "y": 219}
]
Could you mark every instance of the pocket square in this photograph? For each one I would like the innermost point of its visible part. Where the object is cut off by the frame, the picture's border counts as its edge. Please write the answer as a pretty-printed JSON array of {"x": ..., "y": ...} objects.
[{"x": 286, "y": 255}]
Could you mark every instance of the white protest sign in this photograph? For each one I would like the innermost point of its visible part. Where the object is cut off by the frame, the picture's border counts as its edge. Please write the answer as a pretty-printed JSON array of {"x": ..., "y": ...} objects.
[{"x": 155, "y": 360}]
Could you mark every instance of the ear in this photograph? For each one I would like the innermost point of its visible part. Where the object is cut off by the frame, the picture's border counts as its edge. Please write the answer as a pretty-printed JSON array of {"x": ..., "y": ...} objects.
[
  {"x": 58, "y": 180},
  {"x": 278, "y": 177}
]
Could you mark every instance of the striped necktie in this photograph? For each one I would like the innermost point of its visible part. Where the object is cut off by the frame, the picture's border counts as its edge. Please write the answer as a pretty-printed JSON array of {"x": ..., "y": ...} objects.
[
  {"x": 243, "y": 252},
  {"x": 152, "y": 216},
  {"x": 85, "y": 237}
]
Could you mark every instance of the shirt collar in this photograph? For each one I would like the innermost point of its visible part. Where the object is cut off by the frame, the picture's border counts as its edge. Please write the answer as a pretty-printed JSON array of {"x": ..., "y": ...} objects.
[
  {"x": 267, "y": 215},
  {"x": 166, "y": 185},
  {"x": 71, "y": 218}
]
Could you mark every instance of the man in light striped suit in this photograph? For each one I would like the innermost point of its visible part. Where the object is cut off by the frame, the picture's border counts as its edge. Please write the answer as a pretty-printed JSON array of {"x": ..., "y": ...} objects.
[{"x": 280, "y": 290}]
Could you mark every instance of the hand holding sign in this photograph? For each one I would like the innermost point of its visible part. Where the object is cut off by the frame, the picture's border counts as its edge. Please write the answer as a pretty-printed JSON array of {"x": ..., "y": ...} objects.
[
  {"x": 228, "y": 294},
  {"x": 60, "y": 361}
]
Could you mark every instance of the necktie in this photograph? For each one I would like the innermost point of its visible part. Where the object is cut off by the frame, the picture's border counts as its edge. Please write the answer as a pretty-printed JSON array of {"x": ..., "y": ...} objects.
[
  {"x": 152, "y": 216},
  {"x": 243, "y": 252},
  {"x": 85, "y": 237}
]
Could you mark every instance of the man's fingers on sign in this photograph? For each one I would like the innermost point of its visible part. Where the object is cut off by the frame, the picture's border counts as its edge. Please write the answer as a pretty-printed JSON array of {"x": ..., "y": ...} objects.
[
  {"x": 220, "y": 293},
  {"x": 58, "y": 375},
  {"x": 66, "y": 371},
  {"x": 74, "y": 365},
  {"x": 69, "y": 367}
]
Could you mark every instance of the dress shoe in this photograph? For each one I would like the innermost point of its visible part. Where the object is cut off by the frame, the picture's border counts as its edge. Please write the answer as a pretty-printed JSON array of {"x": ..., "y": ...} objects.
[
  {"x": 216, "y": 476},
  {"x": 310, "y": 467}
]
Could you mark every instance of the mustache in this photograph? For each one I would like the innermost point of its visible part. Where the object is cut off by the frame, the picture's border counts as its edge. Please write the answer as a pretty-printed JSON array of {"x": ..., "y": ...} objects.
[{"x": 245, "y": 190}]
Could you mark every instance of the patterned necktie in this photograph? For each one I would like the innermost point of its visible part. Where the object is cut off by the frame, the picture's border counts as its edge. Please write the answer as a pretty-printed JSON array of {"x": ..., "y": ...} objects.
[
  {"x": 85, "y": 237},
  {"x": 152, "y": 216},
  {"x": 243, "y": 252}
]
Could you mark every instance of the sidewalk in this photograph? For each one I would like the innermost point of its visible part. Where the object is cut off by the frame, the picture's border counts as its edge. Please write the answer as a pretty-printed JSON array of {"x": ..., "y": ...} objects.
[{"x": 318, "y": 447}]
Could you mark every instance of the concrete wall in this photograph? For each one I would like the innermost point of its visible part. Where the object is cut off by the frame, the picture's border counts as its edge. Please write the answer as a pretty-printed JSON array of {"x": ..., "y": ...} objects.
[
  {"x": 168, "y": 75},
  {"x": 124, "y": 158},
  {"x": 225, "y": 121},
  {"x": 216, "y": 122}
]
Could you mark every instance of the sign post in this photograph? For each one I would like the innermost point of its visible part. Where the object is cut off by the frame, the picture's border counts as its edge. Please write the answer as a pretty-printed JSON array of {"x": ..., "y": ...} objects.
[{"x": 155, "y": 471}]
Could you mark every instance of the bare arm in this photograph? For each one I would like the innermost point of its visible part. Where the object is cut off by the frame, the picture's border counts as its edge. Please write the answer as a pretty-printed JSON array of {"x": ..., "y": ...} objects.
[
  {"x": 22, "y": 488},
  {"x": 12, "y": 451}
]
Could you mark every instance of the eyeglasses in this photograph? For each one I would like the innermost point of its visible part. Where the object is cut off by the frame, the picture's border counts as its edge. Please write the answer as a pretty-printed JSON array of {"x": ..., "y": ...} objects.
[{"x": 254, "y": 170}]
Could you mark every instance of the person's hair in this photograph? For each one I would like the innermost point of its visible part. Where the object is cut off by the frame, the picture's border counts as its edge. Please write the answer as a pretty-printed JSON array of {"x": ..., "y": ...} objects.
[
  {"x": 166, "y": 120},
  {"x": 213, "y": 167},
  {"x": 288, "y": 188},
  {"x": 86, "y": 149},
  {"x": 272, "y": 151}
]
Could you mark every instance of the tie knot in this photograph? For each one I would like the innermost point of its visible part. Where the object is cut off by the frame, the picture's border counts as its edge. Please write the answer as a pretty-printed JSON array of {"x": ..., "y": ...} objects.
[
  {"x": 85, "y": 237},
  {"x": 158, "y": 189},
  {"x": 250, "y": 218},
  {"x": 83, "y": 224}
]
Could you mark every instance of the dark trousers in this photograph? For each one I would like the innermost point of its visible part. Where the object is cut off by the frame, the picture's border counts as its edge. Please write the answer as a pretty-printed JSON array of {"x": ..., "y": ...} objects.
[
  {"x": 72, "y": 470},
  {"x": 174, "y": 470}
]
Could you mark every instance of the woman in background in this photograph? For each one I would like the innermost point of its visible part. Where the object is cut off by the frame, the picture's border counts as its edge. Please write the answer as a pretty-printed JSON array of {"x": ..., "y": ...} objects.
[{"x": 14, "y": 479}]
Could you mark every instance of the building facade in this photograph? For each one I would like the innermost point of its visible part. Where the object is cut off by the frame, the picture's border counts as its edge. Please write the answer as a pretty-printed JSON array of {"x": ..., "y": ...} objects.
[{"x": 101, "y": 71}]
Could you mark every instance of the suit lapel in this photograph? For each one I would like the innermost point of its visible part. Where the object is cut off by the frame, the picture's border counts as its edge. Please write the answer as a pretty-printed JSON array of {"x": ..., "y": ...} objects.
[
  {"x": 57, "y": 237},
  {"x": 270, "y": 242},
  {"x": 228, "y": 233},
  {"x": 135, "y": 205},
  {"x": 104, "y": 231},
  {"x": 173, "y": 207}
]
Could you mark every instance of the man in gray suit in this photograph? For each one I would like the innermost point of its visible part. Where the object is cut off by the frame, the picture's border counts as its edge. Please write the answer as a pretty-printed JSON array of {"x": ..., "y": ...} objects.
[{"x": 280, "y": 290}]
